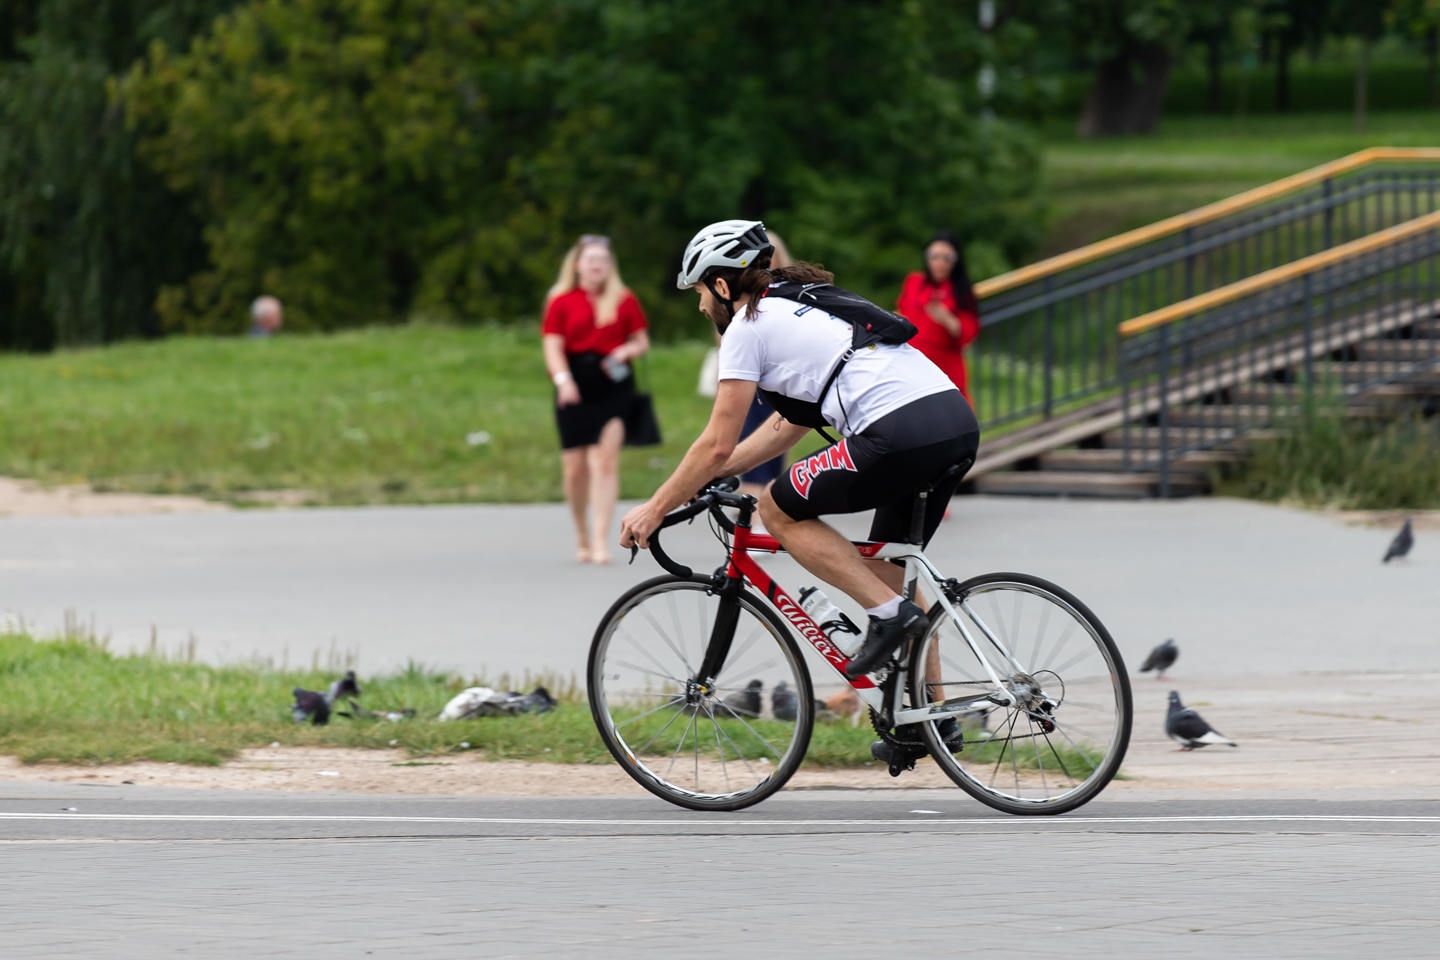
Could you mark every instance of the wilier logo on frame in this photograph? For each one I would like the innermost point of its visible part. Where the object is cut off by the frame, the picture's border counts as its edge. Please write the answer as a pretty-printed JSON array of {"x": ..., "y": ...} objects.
[{"x": 804, "y": 472}]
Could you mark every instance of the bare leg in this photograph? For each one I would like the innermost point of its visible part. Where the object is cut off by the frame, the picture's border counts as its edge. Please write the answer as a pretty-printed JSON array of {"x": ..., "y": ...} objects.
[
  {"x": 604, "y": 462},
  {"x": 894, "y": 577},
  {"x": 577, "y": 495},
  {"x": 822, "y": 550}
]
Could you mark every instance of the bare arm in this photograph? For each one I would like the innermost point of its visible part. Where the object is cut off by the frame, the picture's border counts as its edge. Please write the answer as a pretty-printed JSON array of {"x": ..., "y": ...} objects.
[
  {"x": 770, "y": 439},
  {"x": 635, "y": 345},
  {"x": 566, "y": 392},
  {"x": 701, "y": 463}
]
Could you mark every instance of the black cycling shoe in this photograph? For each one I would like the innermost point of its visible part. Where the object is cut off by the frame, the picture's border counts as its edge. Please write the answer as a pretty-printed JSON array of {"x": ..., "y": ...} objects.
[
  {"x": 885, "y": 637},
  {"x": 899, "y": 757},
  {"x": 896, "y": 757}
]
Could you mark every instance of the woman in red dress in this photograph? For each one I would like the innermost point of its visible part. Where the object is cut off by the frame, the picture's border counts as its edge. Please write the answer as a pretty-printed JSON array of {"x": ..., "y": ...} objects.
[
  {"x": 941, "y": 304},
  {"x": 593, "y": 328}
]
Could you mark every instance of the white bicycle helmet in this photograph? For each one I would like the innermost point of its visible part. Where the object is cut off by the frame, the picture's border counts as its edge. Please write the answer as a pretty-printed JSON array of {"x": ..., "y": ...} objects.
[{"x": 734, "y": 244}]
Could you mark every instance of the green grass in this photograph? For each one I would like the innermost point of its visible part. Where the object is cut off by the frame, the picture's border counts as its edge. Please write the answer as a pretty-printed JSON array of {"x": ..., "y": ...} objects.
[
  {"x": 1323, "y": 459},
  {"x": 415, "y": 414},
  {"x": 71, "y": 700},
  {"x": 1098, "y": 188}
]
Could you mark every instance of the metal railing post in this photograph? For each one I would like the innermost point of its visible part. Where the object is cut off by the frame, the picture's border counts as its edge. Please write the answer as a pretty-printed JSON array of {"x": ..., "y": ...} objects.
[
  {"x": 1049, "y": 348},
  {"x": 1327, "y": 189},
  {"x": 1164, "y": 337},
  {"x": 1307, "y": 324}
]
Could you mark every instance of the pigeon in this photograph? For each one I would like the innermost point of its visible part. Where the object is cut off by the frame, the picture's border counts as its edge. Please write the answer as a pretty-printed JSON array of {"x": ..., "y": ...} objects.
[
  {"x": 747, "y": 702},
  {"x": 346, "y": 686},
  {"x": 1188, "y": 728},
  {"x": 783, "y": 702},
  {"x": 1401, "y": 545},
  {"x": 536, "y": 701},
  {"x": 311, "y": 706},
  {"x": 1161, "y": 658},
  {"x": 468, "y": 702},
  {"x": 357, "y": 712}
]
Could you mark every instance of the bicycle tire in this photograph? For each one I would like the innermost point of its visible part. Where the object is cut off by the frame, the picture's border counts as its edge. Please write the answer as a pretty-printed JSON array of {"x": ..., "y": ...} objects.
[
  {"x": 608, "y": 702},
  {"x": 1024, "y": 798}
]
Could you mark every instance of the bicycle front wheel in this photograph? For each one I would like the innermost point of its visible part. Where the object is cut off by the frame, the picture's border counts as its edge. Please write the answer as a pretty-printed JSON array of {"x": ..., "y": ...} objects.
[
  {"x": 718, "y": 745},
  {"x": 1064, "y": 735}
]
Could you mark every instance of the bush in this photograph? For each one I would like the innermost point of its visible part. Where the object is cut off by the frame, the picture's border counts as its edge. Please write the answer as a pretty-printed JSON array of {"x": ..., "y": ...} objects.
[{"x": 1325, "y": 459}]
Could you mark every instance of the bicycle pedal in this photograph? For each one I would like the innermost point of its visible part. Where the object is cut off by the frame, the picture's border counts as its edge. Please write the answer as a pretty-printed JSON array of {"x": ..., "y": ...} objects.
[{"x": 896, "y": 759}]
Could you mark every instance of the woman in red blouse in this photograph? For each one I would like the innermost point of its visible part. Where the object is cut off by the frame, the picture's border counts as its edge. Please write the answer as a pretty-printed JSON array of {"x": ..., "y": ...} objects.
[
  {"x": 593, "y": 328},
  {"x": 939, "y": 301}
]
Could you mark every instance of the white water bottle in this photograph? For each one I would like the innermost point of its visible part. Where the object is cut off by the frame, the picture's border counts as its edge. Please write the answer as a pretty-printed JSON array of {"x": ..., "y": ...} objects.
[{"x": 831, "y": 620}]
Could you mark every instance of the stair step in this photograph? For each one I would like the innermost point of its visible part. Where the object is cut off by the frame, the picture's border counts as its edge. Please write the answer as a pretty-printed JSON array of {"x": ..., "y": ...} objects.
[
  {"x": 1148, "y": 438},
  {"x": 1225, "y": 415},
  {"x": 1290, "y": 395},
  {"x": 1366, "y": 370},
  {"x": 1113, "y": 459},
  {"x": 1410, "y": 351},
  {"x": 1087, "y": 483}
]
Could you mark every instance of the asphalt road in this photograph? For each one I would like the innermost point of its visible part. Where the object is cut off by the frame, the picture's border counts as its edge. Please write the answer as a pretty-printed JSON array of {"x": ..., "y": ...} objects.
[
  {"x": 135, "y": 871},
  {"x": 1245, "y": 588}
]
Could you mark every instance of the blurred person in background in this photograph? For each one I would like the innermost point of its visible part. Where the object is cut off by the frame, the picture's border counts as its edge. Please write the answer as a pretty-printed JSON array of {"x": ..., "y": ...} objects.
[
  {"x": 266, "y": 316},
  {"x": 753, "y": 481},
  {"x": 940, "y": 302},
  {"x": 593, "y": 329}
]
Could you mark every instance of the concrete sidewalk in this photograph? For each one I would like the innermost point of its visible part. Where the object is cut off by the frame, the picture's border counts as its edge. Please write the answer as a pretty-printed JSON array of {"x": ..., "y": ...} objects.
[{"x": 1244, "y": 588}]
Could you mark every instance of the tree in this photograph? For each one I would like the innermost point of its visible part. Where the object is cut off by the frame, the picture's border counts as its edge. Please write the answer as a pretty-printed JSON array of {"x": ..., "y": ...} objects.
[
  {"x": 367, "y": 161},
  {"x": 1366, "y": 21},
  {"x": 87, "y": 234},
  {"x": 1131, "y": 45}
]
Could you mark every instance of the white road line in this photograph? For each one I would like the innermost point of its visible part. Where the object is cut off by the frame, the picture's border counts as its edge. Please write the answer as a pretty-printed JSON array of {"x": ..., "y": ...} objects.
[{"x": 704, "y": 822}]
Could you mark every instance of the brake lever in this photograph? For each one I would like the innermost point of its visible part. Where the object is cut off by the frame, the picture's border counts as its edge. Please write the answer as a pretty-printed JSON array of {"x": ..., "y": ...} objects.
[{"x": 634, "y": 550}]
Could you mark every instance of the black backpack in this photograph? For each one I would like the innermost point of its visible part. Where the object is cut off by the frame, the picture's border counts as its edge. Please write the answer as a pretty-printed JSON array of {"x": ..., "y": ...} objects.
[{"x": 871, "y": 324}]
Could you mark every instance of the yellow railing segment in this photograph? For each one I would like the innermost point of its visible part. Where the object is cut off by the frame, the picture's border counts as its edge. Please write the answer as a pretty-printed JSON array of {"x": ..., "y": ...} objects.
[
  {"x": 1161, "y": 228},
  {"x": 1277, "y": 275}
]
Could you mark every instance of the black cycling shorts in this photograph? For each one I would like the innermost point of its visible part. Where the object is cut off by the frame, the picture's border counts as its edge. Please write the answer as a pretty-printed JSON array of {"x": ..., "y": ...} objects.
[{"x": 883, "y": 467}]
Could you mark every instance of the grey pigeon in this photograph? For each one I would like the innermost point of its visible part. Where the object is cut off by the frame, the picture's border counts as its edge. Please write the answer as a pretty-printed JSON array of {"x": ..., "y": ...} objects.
[
  {"x": 747, "y": 702},
  {"x": 311, "y": 706},
  {"x": 1161, "y": 658},
  {"x": 536, "y": 701},
  {"x": 357, "y": 712},
  {"x": 783, "y": 702},
  {"x": 346, "y": 686},
  {"x": 1188, "y": 728},
  {"x": 1402, "y": 543}
]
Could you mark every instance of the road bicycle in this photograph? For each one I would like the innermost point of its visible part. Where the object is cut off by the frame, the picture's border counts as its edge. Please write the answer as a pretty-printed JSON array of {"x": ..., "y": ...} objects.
[{"x": 680, "y": 663}]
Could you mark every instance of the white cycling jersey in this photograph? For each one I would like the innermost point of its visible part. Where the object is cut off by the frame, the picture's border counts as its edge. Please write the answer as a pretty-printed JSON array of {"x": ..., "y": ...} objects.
[{"x": 791, "y": 348}]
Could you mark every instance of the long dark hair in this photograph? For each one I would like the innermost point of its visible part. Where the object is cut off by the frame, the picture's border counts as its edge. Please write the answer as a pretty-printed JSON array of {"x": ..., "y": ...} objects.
[
  {"x": 753, "y": 281},
  {"x": 959, "y": 278}
]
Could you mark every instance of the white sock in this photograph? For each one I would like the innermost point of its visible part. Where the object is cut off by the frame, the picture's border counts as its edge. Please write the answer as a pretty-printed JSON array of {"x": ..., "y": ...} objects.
[{"x": 890, "y": 608}]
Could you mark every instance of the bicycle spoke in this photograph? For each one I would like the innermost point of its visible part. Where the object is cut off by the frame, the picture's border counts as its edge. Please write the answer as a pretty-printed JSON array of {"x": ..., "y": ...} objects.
[
  {"x": 657, "y": 733},
  {"x": 674, "y": 615},
  {"x": 681, "y": 745},
  {"x": 753, "y": 732},
  {"x": 650, "y": 673},
  {"x": 649, "y": 713},
  {"x": 719, "y": 750},
  {"x": 1035, "y": 742}
]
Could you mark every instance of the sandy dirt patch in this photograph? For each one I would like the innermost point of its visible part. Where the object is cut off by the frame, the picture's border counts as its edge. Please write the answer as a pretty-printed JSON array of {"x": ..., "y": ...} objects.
[
  {"x": 1309, "y": 732},
  {"x": 25, "y": 498}
]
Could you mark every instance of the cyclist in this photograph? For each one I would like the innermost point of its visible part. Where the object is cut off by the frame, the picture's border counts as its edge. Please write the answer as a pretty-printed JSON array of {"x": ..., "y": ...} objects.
[{"x": 903, "y": 423}]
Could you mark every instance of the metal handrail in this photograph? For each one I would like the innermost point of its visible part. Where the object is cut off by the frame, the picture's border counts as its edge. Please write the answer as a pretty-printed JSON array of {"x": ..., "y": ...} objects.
[
  {"x": 1278, "y": 275},
  {"x": 1200, "y": 215}
]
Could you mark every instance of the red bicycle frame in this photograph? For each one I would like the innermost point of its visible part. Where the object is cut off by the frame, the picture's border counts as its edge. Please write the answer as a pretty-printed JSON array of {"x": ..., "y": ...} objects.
[{"x": 742, "y": 565}]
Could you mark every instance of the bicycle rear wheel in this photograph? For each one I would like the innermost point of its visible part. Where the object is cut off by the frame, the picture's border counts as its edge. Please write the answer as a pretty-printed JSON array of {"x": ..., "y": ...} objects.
[
  {"x": 717, "y": 746},
  {"x": 1064, "y": 738}
]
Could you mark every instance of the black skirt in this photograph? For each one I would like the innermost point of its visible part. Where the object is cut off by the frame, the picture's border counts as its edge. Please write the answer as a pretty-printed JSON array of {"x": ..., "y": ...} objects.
[{"x": 601, "y": 400}]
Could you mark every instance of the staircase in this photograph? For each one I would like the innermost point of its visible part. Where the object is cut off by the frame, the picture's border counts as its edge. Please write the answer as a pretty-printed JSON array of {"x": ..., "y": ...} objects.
[{"x": 1162, "y": 399}]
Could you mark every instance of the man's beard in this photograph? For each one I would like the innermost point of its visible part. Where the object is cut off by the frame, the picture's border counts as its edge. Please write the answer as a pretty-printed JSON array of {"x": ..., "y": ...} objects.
[{"x": 717, "y": 314}]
